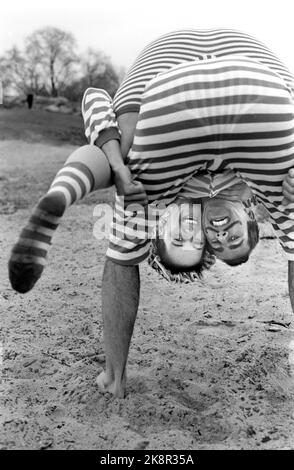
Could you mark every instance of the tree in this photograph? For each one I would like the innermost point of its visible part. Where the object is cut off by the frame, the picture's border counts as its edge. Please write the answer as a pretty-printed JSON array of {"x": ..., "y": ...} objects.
[
  {"x": 98, "y": 71},
  {"x": 20, "y": 71},
  {"x": 48, "y": 65},
  {"x": 54, "y": 50},
  {"x": 95, "y": 70}
]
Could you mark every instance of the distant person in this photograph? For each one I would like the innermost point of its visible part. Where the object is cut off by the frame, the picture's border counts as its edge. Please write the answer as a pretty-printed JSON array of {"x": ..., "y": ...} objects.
[
  {"x": 30, "y": 100},
  {"x": 201, "y": 114}
]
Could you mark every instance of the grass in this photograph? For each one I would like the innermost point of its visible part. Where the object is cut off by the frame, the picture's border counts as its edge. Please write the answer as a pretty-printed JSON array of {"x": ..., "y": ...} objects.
[
  {"x": 36, "y": 125},
  {"x": 34, "y": 145},
  {"x": 28, "y": 171}
]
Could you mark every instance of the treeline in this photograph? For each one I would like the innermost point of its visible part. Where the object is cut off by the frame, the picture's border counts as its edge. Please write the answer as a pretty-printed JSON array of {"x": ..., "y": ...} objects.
[{"x": 49, "y": 64}]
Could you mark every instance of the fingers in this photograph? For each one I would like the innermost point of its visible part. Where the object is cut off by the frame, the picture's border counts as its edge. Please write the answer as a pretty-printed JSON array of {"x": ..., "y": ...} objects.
[
  {"x": 132, "y": 192},
  {"x": 288, "y": 185},
  {"x": 140, "y": 198},
  {"x": 288, "y": 188},
  {"x": 288, "y": 198},
  {"x": 289, "y": 178},
  {"x": 136, "y": 194},
  {"x": 139, "y": 186},
  {"x": 135, "y": 197}
]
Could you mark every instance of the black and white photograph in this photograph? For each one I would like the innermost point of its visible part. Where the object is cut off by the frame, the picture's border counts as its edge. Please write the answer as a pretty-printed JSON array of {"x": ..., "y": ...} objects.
[{"x": 146, "y": 227}]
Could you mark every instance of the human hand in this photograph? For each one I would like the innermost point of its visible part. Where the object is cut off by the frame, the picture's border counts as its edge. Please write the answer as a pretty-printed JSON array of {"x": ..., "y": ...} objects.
[
  {"x": 288, "y": 188},
  {"x": 132, "y": 191}
]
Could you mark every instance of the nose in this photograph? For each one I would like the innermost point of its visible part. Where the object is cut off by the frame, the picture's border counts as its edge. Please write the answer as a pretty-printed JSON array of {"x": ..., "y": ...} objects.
[
  {"x": 186, "y": 235},
  {"x": 186, "y": 232},
  {"x": 222, "y": 235},
  {"x": 193, "y": 235}
]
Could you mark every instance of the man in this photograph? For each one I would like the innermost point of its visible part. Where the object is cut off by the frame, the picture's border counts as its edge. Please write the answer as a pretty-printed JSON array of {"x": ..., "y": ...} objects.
[
  {"x": 230, "y": 224},
  {"x": 212, "y": 113},
  {"x": 260, "y": 143}
]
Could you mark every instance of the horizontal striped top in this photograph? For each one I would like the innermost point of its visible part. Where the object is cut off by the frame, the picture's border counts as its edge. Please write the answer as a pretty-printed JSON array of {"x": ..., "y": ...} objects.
[
  {"x": 132, "y": 230},
  {"x": 189, "y": 45},
  {"x": 162, "y": 54},
  {"x": 209, "y": 184},
  {"x": 213, "y": 114}
]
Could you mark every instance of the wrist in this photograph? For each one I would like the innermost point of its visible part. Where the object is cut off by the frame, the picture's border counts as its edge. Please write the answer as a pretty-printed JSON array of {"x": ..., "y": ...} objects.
[
  {"x": 113, "y": 154},
  {"x": 118, "y": 168},
  {"x": 122, "y": 177}
]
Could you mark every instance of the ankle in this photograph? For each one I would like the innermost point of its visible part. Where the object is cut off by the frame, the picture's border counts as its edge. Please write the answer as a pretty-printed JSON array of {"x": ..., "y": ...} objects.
[{"x": 53, "y": 203}]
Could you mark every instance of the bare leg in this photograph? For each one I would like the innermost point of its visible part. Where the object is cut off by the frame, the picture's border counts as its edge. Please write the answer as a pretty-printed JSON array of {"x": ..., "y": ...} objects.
[
  {"x": 120, "y": 300},
  {"x": 291, "y": 282}
]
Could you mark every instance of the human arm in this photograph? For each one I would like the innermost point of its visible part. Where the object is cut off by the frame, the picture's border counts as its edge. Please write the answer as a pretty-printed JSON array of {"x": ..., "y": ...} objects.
[
  {"x": 102, "y": 130},
  {"x": 127, "y": 124},
  {"x": 291, "y": 282},
  {"x": 132, "y": 191},
  {"x": 288, "y": 188},
  {"x": 288, "y": 197}
]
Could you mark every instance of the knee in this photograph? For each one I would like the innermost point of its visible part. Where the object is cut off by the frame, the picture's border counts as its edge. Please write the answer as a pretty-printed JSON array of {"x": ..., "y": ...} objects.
[
  {"x": 86, "y": 154},
  {"x": 95, "y": 160}
]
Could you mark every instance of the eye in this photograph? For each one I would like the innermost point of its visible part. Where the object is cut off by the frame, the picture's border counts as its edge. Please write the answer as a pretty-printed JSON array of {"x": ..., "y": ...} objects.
[
  {"x": 178, "y": 241},
  {"x": 233, "y": 238}
]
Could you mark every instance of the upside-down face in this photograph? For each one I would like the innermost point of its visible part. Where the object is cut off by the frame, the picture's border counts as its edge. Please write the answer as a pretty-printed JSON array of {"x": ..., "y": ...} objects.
[
  {"x": 181, "y": 236},
  {"x": 225, "y": 227}
]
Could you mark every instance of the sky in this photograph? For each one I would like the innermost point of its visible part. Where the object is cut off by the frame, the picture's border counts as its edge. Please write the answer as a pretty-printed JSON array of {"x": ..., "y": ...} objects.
[{"x": 121, "y": 28}]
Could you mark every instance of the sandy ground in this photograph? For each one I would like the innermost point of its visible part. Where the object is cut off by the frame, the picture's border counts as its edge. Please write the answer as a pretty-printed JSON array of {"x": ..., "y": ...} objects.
[{"x": 209, "y": 368}]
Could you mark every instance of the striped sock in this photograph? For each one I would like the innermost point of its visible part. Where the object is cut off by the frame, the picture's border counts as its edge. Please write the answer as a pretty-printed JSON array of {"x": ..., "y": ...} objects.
[
  {"x": 28, "y": 257},
  {"x": 75, "y": 180}
]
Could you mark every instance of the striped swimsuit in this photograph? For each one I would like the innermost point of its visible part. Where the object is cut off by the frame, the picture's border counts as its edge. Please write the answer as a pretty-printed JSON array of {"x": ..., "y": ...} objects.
[{"x": 209, "y": 102}]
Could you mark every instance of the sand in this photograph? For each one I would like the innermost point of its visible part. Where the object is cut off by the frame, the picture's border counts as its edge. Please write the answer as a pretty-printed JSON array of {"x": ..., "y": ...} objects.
[{"x": 211, "y": 365}]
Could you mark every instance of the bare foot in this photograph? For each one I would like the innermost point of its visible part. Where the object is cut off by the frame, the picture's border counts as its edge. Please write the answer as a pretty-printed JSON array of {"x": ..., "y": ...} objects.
[{"x": 107, "y": 384}]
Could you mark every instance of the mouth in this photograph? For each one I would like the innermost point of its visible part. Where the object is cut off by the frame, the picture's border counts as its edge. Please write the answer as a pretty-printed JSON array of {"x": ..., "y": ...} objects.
[
  {"x": 220, "y": 222},
  {"x": 189, "y": 220},
  {"x": 199, "y": 246}
]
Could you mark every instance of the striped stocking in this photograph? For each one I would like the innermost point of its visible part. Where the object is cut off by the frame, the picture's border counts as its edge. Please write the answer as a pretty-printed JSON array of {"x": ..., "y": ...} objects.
[{"x": 73, "y": 182}]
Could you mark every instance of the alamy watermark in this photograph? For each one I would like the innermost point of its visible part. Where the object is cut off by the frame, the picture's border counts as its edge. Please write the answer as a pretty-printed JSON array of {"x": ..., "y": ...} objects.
[{"x": 137, "y": 222}]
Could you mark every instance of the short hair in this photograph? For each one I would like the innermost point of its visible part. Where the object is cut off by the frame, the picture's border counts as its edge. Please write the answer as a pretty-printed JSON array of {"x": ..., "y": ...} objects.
[
  {"x": 237, "y": 261},
  {"x": 253, "y": 239},
  {"x": 159, "y": 260},
  {"x": 253, "y": 233}
]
